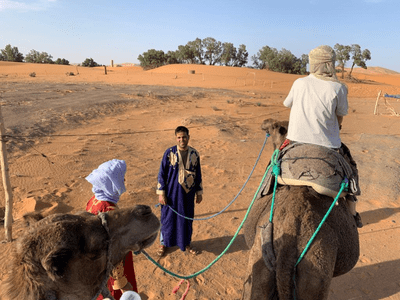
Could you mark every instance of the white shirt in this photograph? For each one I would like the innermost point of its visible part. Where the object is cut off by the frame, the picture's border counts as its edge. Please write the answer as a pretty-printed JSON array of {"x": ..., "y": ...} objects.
[{"x": 314, "y": 106}]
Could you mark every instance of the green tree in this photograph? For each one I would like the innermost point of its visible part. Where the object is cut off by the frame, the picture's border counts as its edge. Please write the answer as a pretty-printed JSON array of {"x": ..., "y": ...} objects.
[
  {"x": 186, "y": 54},
  {"x": 257, "y": 62},
  {"x": 152, "y": 59},
  {"x": 280, "y": 61},
  {"x": 39, "y": 57},
  {"x": 359, "y": 57},
  {"x": 228, "y": 54},
  {"x": 172, "y": 57},
  {"x": 197, "y": 48},
  {"x": 32, "y": 56},
  {"x": 286, "y": 61},
  {"x": 60, "y": 61},
  {"x": 11, "y": 54},
  {"x": 269, "y": 58},
  {"x": 89, "y": 62},
  {"x": 304, "y": 62},
  {"x": 213, "y": 50},
  {"x": 300, "y": 65},
  {"x": 342, "y": 55},
  {"x": 241, "y": 57}
]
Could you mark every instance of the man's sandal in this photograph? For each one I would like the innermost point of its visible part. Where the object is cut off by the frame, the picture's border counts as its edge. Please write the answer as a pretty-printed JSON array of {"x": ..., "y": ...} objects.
[
  {"x": 161, "y": 251},
  {"x": 192, "y": 251}
]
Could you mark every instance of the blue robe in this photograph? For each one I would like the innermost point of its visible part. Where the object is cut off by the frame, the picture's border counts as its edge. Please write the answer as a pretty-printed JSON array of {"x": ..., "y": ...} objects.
[{"x": 180, "y": 184}]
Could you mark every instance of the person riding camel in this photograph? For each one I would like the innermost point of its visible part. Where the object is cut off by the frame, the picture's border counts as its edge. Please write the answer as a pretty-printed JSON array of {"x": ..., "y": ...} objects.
[{"x": 318, "y": 103}]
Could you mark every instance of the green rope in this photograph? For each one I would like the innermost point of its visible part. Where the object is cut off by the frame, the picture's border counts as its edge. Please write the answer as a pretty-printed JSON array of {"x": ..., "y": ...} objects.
[
  {"x": 344, "y": 185},
  {"x": 223, "y": 252},
  {"x": 276, "y": 170}
]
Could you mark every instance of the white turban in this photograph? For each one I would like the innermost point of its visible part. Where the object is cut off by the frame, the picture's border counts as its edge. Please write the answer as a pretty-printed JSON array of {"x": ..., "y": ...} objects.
[
  {"x": 108, "y": 180},
  {"x": 322, "y": 63}
]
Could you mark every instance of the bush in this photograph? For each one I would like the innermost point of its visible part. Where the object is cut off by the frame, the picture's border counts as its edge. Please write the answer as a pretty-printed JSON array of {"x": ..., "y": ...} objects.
[
  {"x": 89, "y": 62},
  {"x": 10, "y": 53}
]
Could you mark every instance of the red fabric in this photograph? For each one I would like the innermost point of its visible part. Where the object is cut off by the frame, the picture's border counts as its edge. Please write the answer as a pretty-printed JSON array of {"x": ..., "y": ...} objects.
[
  {"x": 284, "y": 144},
  {"x": 95, "y": 206}
]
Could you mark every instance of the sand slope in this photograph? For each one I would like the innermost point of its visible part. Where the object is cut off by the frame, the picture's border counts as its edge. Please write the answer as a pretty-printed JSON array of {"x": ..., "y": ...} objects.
[{"x": 68, "y": 125}]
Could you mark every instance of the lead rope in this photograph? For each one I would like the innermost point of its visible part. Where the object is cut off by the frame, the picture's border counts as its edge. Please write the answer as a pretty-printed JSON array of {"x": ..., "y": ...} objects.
[
  {"x": 234, "y": 199},
  {"x": 344, "y": 185},
  {"x": 104, "y": 289},
  {"x": 179, "y": 285},
  {"x": 219, "y": 256}
]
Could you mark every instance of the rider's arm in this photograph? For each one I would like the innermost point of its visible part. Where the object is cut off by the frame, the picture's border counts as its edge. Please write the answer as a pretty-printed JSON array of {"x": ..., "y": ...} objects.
[{"x": 340, "y": 120}]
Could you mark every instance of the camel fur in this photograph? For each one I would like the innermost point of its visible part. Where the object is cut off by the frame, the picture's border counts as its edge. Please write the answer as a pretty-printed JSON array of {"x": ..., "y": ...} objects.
[
  {"x": 66, "y": 256},
  {"x": 298, "y": 210}
]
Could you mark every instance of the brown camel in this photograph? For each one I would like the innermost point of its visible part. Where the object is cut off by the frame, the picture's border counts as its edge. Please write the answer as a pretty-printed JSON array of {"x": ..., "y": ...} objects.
[
  {"x": 65, "y": 256},
  {"x": 298, "y": 210}
]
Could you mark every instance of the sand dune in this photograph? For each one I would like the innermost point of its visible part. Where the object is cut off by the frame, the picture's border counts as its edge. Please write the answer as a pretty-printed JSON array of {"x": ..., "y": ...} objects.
[{"x": 69, "y": 124}]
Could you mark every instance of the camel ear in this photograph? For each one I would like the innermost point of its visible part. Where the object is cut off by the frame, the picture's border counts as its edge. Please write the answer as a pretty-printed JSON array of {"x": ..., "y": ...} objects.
[
  {"x": 282, "y": 130},
  {"x": 55, "y": 263},
  {"x": 31, "y": 218},
  {"x": 84, "y": 213}
]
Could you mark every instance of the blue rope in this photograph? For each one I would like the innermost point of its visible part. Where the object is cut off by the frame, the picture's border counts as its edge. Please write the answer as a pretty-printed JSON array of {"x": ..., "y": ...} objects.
[
  {"x": 219, "y": 256},
  {"x": 234, "y": 199}
]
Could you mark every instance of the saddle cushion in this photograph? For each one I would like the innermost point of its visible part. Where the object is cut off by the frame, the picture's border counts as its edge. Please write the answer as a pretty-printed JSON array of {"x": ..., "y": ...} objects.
[{"x": 319, "y": 167}]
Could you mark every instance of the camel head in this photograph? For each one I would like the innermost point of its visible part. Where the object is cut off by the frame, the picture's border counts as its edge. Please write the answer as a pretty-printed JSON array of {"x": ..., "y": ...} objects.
[
  {"x": 66, "y": 256},
  {"x": 277, "y": 130},
  {"x": 131, "y": 229}
]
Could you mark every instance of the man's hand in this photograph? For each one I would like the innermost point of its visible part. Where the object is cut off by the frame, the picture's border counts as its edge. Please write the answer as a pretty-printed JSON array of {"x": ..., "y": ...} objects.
[
  {"x": 162, "y": 199},
  {"x": 127, "y": 287},
  {"x": 340, "y": 121},
  {"x": 199, "y": 198}
]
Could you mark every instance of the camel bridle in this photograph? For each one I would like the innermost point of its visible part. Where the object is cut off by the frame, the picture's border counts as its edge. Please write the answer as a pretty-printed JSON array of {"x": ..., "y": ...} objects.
[{"x": 104, "y": 290}]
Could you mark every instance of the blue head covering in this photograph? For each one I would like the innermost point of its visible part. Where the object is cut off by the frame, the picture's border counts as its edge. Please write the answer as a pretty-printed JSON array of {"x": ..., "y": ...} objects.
[{"x": 108, "y": 180}]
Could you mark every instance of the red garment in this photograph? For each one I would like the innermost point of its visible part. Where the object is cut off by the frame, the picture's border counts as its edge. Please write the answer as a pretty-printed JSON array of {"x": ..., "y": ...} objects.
[{"x": 95, "y": 206}]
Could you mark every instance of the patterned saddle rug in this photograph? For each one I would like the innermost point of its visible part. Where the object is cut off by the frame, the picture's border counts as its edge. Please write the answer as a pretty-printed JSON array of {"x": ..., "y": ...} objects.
[{"x": 316, "y": 166}]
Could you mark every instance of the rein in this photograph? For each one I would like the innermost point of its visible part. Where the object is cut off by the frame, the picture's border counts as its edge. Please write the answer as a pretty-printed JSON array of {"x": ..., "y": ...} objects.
[
  {"x": 104, "y": 289},
  {"x": 234, "y": 199},
  {"x": 223, "y": 252},
  {"x": 275, "y": 164}
]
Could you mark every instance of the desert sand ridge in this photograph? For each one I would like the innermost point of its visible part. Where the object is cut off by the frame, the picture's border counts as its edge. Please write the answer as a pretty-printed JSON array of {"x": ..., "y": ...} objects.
[{"x": 77, "y": 122}]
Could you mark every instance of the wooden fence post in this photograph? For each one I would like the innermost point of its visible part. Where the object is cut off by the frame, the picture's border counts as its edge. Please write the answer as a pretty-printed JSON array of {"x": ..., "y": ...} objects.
[
  {"x": 6, "y": 182},
  {"x": 376, "y": 103}
]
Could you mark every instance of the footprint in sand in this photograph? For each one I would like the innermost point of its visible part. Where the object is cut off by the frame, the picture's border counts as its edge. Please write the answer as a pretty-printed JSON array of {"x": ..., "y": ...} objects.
[
  {"x": 200, "y": 280},
  {"x": 365, "y": 260}
]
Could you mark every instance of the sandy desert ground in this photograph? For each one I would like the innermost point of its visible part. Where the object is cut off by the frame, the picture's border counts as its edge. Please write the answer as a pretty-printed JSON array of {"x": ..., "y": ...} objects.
[{"x": 63, "y": 126}]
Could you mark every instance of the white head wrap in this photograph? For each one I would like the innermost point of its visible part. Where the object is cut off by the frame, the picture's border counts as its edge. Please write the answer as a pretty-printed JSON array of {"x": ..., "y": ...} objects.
[
  {"x": 130, "y": 295},
  {"x": 322, "y": 63},
  {"x": 108, "y": 180}
]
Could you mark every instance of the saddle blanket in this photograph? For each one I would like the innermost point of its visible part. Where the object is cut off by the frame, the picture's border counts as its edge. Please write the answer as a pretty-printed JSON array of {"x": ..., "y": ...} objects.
[{"x": 316, "y": 166}]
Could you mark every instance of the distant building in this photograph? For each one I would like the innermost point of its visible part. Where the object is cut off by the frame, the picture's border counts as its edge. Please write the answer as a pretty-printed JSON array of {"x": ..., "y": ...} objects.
[{"x": 126, "y": 65}]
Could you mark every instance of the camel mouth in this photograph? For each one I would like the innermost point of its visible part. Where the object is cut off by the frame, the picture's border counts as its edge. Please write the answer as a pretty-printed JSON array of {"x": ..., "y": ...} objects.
[{"x": 147, "y": 242}]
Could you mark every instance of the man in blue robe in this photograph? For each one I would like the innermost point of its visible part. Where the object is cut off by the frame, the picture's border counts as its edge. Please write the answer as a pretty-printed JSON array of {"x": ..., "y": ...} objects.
[{"x": 179, "y": 186}]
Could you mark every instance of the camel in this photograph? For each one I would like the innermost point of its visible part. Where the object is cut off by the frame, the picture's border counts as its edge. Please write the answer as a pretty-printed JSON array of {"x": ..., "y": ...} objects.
[
  {"x": 298, "y": 210},
  {"x": 70, "y": 256}
]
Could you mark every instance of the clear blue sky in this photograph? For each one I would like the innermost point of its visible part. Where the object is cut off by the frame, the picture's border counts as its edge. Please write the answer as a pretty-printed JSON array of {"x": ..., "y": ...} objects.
[{"x": 121, "y": 30}]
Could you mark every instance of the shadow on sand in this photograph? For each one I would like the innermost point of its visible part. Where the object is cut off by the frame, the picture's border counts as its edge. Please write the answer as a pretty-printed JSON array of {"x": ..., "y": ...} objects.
[
  {"x": 377, "y": 215},
  {"x": 374, "y": 282}
]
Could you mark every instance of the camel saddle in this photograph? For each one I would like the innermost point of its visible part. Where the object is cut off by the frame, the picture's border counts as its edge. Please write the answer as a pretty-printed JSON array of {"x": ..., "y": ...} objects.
[{"x": 316, "y": 166}]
